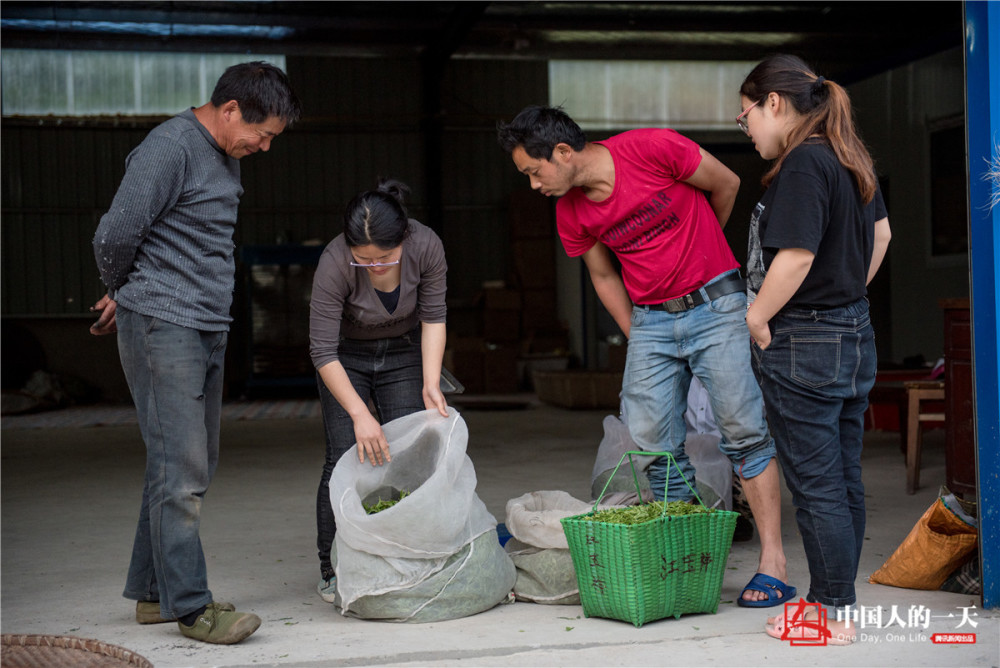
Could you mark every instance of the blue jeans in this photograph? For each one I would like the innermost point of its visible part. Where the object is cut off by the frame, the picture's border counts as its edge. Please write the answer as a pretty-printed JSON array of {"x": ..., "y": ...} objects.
[
  {"x": 175, "y": 377},
  {"x": 815, "y": 376},
  {"x": 710, "y": 341},
  {"x": 389, "y": 372}
]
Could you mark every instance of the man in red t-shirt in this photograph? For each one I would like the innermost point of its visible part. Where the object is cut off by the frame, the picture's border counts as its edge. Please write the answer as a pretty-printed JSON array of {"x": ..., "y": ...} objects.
[{"x": 658, "y": 202}]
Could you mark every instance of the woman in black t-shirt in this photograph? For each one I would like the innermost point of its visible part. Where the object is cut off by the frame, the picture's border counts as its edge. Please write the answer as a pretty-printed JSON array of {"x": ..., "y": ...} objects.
[{"x": 817, "y": 237}]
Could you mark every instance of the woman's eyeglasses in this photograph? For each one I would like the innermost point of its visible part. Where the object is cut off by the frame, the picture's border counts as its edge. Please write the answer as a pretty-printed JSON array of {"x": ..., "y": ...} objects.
[
  {"x": 367, "y": 265},
  {"x": 741, "y": 120}
]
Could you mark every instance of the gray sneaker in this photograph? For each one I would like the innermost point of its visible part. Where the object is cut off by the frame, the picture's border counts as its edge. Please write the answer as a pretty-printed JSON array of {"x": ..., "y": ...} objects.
[
  {"x": 222, "y": 627},
  {"x": 148, "y": 612},
  {"x": 327, "y": 589}
]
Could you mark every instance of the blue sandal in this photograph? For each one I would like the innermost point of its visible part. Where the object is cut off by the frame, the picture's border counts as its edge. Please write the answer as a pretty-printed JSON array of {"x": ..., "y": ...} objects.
[{"x": 768, "y": 585}]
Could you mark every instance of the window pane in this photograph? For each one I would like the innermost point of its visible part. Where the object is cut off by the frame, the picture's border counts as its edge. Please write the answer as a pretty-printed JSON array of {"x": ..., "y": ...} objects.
[
  {"x": 36, "y": 85},
  {"x": 87, "y": 83},
  {"x": 103, "y": 83},
  {"x": 629, "y": 94},
  {"x": 635, "y": 92},
  {"x": 169, "y": 79}
]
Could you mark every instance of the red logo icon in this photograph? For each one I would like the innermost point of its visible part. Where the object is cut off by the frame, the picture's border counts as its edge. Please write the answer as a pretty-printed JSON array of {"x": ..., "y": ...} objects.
[
  {"x": 799, "y": 631},
  {"x": 958, "y": 638}
]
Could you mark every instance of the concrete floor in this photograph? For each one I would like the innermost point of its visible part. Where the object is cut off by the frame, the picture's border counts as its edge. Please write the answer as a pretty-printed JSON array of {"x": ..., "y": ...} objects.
[{"x": 70, "y": 498}]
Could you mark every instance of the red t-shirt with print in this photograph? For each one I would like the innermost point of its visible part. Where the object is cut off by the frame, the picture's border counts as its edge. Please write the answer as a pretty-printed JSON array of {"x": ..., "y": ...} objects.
[{"x": 663, "y": 231}]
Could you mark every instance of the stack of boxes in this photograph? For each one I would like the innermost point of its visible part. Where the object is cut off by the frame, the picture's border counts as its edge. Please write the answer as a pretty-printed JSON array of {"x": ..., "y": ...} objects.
[
  {"x": 517, "y": 319},
  {"x": 501, "y": 318},
  {"x": 533, "y": 253}
]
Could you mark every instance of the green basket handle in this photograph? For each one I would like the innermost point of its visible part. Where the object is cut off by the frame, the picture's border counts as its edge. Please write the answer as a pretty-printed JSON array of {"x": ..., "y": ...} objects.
[{"x": 635, "y": 477}]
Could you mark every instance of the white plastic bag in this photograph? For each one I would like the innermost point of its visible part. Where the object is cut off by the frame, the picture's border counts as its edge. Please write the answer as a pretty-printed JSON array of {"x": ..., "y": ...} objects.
[
  {"x": 399, "y": 553},
  {"x": 714, "y": 472},
  {"x": 621, "y": 490}
]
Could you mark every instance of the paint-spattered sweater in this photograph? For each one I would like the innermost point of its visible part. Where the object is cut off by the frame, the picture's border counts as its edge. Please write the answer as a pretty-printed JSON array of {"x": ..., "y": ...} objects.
[{"x": 165, "y": 247}]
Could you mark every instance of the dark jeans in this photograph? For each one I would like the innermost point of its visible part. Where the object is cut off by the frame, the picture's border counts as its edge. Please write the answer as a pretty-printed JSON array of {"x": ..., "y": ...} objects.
[
  {"x": 815, "y": 377},
  {"x": 175, "y": 376},
  {"x": 390, "y": 373}
]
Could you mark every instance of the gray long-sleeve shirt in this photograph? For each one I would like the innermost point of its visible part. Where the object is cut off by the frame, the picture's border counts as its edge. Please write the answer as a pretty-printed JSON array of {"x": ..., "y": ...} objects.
[
  {"x": 165, "y": 247},
  {"x": 344, "y": 302}
]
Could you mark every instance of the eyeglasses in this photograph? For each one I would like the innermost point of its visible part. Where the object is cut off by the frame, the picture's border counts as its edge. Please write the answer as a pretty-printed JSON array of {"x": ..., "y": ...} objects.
[
  {"x": 368, "y": 265},
  {"x": 742, "y": 121}
]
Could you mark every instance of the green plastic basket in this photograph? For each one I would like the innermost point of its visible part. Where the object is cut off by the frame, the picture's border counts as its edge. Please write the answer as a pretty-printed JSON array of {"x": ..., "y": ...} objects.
[{"x": 672, "y": 565}]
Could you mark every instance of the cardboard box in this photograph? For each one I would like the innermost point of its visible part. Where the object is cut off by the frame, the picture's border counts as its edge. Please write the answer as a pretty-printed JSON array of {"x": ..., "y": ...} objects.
[
  {"x": 539, "y": 310},
  {"x": 579, "y": 389},
  {"x": 501, "y": 325},
  {"x": 529, "y": 215},
  {"x": 500, "y": 370},
  {"x": 555, "y": 340},
  {"x": 501, "y": 299},
  {"x": 529, "y": 363},
  {"x": 534, "y": 262},
  {"x": 617, "y": 356},
  {"x": 483, "y": 367},
  {"x": 464, "y": 358}
]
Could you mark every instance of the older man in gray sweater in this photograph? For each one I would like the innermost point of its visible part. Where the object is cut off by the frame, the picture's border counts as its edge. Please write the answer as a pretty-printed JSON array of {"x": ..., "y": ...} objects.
[{"x": 165, "y": 253}]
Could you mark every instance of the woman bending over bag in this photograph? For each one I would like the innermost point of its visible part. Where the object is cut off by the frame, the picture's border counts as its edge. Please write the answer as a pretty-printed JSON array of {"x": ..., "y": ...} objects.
[{"x": 376, "y": 332}]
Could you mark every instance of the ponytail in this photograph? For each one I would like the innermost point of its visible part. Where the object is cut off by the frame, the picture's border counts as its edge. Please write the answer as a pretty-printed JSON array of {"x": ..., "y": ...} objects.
[{"x": 825, "y": 108}]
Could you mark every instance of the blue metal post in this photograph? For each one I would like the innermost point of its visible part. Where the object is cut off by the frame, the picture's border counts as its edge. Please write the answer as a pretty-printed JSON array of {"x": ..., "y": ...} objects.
[{"x": 982, "y": 71}]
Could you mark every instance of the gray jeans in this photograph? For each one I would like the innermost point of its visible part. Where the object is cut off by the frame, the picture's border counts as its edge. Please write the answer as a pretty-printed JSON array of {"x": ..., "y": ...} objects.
[{"x": 175, "y": 376}]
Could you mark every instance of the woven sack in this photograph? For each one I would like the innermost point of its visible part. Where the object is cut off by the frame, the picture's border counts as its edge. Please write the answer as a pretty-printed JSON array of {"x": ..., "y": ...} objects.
[
  {"x": 538, "y": 548},
  {"x": 939, "y": 543}
]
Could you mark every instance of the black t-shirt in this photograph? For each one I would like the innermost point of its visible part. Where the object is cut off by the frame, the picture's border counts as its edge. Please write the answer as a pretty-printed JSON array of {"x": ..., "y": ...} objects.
[{"x": 813, "y": 203}]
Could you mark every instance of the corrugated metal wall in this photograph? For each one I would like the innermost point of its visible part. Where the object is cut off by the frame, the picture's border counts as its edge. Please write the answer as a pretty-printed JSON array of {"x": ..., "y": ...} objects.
[
  {"x": 362, "y": 120},
  {"x": 57, "y": 180},
  {"x": 478, "y": 176}
]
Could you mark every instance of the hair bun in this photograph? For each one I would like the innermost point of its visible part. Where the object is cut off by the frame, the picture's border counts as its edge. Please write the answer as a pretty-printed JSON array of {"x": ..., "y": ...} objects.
[{"x": 397, "y": 189}]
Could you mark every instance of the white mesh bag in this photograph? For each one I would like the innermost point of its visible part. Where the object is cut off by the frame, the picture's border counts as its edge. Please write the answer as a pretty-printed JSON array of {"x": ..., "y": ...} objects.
[{"x": 419, "y": 560}]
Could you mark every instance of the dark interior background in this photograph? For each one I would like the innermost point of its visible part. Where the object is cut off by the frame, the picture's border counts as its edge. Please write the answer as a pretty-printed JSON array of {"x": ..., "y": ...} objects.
[{"x": 414, "y": 90}]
